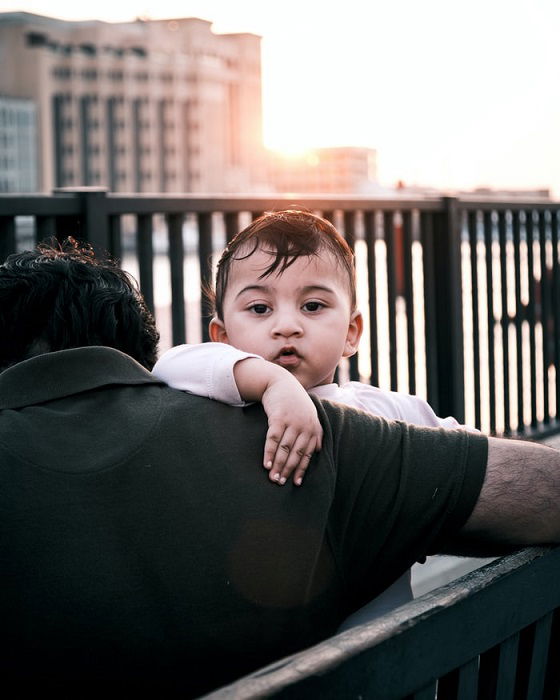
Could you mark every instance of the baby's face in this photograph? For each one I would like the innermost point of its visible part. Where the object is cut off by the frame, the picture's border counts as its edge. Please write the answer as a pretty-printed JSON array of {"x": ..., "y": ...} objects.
[{"x": 300, "y": 319}]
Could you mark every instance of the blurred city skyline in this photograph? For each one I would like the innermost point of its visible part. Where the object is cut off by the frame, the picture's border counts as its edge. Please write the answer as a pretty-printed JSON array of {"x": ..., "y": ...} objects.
[{"x": 452, "y": 95}]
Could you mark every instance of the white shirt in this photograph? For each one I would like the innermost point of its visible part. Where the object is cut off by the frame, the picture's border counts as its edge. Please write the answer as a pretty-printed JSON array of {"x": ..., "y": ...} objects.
[{"x": 207, "y": 370}]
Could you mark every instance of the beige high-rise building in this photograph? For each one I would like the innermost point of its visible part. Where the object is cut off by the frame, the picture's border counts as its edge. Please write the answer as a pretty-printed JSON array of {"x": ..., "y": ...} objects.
[
  {"x": 143, "y": 106},
  {"x": 18, "y": 145}
]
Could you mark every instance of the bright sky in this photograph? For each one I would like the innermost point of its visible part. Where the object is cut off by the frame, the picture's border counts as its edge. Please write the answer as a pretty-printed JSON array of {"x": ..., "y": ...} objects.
[{"x": 451, "y": 94}]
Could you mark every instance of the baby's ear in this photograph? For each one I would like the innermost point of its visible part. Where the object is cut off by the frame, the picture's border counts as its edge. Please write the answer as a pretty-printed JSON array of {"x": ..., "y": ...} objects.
[
  {"x": 355, "y": 328},
  {"x": 217, "y": 331}
]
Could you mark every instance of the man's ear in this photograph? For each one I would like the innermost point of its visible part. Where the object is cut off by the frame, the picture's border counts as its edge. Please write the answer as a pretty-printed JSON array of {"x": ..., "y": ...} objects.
[
  {"x": 217, "y": 331},
  {"x": 355, "y": 328}
]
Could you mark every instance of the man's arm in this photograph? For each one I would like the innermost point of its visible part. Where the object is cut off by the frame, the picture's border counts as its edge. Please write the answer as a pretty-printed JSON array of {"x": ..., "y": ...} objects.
[
  {"x": 404, "y": 491},
  {"x": 520, "y": 499}
]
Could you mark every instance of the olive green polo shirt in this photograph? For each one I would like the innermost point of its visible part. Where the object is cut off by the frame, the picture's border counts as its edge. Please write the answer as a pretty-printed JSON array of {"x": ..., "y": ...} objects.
[{"x": 143, "y": 547}]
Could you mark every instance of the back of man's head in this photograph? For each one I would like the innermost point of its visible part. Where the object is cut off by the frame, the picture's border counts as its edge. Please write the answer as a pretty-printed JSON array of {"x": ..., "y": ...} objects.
[{"x": 61, "y": 297}]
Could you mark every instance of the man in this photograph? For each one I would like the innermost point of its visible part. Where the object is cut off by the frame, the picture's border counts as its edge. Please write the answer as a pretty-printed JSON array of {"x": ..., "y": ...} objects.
[{"x": 142, "y": 546}]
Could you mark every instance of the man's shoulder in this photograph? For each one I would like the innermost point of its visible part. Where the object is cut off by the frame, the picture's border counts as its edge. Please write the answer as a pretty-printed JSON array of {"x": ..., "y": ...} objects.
[{"x": 343, "y": 421}]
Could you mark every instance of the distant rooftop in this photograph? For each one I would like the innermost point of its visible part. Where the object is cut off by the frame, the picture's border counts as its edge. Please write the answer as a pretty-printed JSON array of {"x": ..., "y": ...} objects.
[{"x": 32, "y": 18}]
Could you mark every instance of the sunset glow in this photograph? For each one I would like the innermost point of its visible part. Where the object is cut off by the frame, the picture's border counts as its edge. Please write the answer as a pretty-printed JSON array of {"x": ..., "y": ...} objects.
[{"x": 289, "y": 149}]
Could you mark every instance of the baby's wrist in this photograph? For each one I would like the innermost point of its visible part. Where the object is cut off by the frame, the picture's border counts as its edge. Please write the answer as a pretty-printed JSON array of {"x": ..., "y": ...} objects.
[{"x": 254, "y": 376}]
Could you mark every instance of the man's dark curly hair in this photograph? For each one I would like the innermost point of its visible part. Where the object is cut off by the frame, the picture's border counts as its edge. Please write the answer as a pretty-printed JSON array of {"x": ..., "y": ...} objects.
[{"x": 59, "y": 297}]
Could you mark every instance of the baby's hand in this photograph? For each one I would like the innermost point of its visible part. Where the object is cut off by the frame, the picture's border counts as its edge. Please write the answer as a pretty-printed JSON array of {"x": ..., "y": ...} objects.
[{"x": 294, "y": 431}]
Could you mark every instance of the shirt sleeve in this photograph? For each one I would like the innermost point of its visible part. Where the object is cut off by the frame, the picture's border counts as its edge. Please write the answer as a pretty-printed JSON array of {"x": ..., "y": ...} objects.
[
  {"x": 402, "y": 491},
  {"x": 205, "y": 369}
]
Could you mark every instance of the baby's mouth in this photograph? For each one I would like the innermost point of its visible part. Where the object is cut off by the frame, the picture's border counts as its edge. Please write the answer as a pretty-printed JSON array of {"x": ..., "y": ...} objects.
[{"x": 287, "y": 357}]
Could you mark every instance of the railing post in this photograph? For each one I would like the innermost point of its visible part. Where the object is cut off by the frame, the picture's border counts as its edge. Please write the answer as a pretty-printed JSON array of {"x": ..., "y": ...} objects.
[
  {"x": 205, "y": 249},
  {"x": 94, "y": 220},
  {"x": 7, "y": 236},
  {"x": 448, "y": 312}
]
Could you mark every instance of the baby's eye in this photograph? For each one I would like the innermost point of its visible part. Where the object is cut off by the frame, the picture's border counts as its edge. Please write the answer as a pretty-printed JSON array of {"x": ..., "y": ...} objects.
[
  {"x": 313, "y": 306},
  {"x": 259, "y": 309}
]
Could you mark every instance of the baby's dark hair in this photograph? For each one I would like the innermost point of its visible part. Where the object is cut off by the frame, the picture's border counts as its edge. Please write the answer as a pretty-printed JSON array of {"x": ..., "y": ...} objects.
[
  {"x": 59, "y": 297},
  {"x": 287, "y": 235}
]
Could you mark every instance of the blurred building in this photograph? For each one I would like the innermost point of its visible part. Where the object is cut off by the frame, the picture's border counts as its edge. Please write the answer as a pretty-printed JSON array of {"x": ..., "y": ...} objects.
[
  {"x": 539, "y": 193},
  {"x": 143, "y": 106},
  {"x": 477, "y": 193},
  {"x": 342, "y": 170},
  {"x": 18, "y": 145}
]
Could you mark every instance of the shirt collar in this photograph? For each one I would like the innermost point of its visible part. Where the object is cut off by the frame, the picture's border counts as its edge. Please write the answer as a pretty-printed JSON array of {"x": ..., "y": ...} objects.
[
  {"x": 55, "y": 375},
  {"x": 324, "y": 391}
]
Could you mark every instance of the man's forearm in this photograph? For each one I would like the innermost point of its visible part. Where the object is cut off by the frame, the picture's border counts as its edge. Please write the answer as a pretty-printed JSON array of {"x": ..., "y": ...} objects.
[{"x": 519, "y": 503}]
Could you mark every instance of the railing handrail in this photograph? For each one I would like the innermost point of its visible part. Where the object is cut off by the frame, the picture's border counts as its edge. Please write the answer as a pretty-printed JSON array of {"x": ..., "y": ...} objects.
[{"x": 66, "y": 202}]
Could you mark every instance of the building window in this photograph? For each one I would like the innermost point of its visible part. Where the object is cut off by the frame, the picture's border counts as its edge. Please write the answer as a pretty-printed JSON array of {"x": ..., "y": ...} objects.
[
  {"x": 62, "y": 73},
  {"x": 36, "y": 39},
  {"x": 88, "y": 49}
]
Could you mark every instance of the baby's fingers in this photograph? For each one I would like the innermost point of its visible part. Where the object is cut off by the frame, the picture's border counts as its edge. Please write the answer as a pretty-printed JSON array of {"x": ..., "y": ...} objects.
[
  {"x": 283, "y": 449},
  {"x": 283, "y": 462},
  {"x": 318, "y": 435},
  {"x": 305, "y": 458},
  {"x": 296, "y": 459},
  {"x": 271, "y": 443},
  {"x": 278, "y": 446}
]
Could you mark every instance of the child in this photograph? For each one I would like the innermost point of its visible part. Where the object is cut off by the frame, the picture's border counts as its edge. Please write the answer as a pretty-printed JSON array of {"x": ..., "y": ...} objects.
[
  {"x": 263, "y": 309},
  {"x": 285, "y": 313}
]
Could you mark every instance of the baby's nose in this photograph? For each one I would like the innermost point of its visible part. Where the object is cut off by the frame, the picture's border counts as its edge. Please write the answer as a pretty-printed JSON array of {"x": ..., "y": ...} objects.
[{"x": 287, "y": 325}]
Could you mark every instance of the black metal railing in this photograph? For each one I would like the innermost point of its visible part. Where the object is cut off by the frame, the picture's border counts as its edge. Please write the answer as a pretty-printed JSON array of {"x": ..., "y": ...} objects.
[{"x": 459, "y": 296}]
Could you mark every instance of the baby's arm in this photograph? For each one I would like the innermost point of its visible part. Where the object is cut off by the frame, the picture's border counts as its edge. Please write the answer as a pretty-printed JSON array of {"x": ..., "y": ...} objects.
[
  {"x": 205, "y": 369},
  {"x": 294, "y": 430},
  {"x": 224, "y": 373}
]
